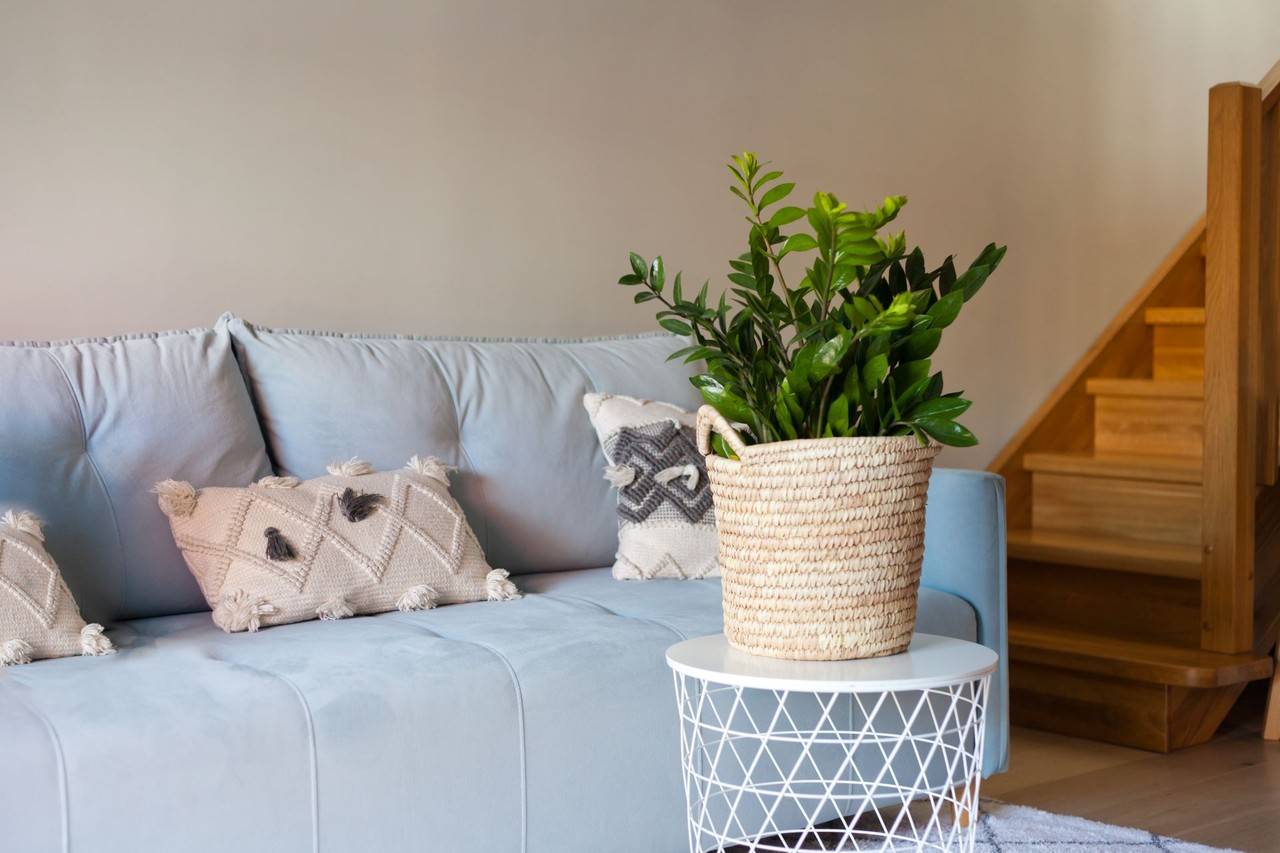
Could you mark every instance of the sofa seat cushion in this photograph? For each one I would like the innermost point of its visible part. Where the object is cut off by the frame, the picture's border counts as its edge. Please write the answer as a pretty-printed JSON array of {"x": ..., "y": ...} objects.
[{"x": 539, "y": 725}]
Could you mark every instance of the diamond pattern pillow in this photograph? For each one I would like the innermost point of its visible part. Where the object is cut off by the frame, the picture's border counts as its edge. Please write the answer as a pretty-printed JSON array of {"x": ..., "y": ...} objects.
[
  {"x": 38, "y": 616},
  {"x": 353, "y": 542},
  {"x": 666, "y": 523}
]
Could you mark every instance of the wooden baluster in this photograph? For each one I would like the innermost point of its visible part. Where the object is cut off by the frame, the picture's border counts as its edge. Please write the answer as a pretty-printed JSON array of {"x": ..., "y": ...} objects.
[{"x": 1232, "y": 365}]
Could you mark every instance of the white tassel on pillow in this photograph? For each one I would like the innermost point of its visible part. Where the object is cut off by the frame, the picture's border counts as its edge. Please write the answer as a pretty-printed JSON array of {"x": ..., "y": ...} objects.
[
  {"x": 335, "y": 609},
  {"x": 429, "y": 466},
  {"x": 16, "y": 651},
  {"x": 688, "y": 472},
  {"x": 278, "y": 482},
  {"x": 94, "y": 642},
  {"x": 353, "y": 467},
  {"x": 499, "y": 587},
  {"x": 421, "y": 597},
  {"x": 620, "y": 475},
  {"x": 238, "y": 611},
  {"x": 177, "y": 498},
  {"x": 21, "y": 521}
]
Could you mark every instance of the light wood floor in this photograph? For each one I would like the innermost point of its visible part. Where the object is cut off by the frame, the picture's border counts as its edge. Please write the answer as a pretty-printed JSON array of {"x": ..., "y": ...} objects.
[{"x": 1225, "y": 793}]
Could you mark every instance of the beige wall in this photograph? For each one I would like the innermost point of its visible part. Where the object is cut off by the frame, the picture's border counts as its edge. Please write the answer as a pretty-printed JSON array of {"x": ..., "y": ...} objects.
[{"x": 483, "y": 168}]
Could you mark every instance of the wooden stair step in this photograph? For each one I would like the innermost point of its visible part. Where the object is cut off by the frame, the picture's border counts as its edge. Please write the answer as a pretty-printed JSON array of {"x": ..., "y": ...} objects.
[
  {"x": 1174, "y": 316},
  {"x": 1169, "y": 389},
  {"x": 1148, "y": 416},
  {"x": 1177, "y": 346},
  {"x": 1105, "y": 552},
  {"x": 1134, "y": 466},
  {"x": 1136, "y": 661},
  {"x": 1103, "y": 506}
]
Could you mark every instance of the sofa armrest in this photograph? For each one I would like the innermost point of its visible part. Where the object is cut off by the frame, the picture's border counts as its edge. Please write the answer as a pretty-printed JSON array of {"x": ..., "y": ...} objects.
[{"x": 964, "y": 554}]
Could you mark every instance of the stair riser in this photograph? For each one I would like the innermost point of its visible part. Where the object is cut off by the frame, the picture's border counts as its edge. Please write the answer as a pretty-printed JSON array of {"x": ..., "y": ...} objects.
[
  {"x": 1096, "y": 707},
  {"x": 1169, "y": 426},
  {"x": 1178, "y": 352},
  {"x": 1108, "y": 506},
  {"x": 1144, "y": 608},
  {"x": 1130, "y": 713}
]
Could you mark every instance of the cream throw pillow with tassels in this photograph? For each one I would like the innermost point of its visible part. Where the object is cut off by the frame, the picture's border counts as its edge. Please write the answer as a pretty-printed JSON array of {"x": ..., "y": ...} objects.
[
  {"x": 38, "y": 616},
  {"x": 353, "y": 542},
  {"x": 666, "y": 522}
]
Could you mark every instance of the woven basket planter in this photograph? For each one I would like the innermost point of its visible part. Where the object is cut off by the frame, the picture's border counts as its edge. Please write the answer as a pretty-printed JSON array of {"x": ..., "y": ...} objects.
[{"x": 821, "y": 542}]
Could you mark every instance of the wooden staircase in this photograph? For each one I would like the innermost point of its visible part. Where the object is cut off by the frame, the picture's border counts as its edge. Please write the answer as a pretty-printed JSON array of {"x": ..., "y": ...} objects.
[{"x": 1143, "y": 510}]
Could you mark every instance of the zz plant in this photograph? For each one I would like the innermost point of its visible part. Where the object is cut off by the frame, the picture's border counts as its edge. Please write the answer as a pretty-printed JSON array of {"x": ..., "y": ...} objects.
[{"x": 845, "y": 350}]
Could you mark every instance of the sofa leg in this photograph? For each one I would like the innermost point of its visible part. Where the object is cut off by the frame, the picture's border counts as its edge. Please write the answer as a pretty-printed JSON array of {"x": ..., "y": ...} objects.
[{"x": 1271, "y": 725}]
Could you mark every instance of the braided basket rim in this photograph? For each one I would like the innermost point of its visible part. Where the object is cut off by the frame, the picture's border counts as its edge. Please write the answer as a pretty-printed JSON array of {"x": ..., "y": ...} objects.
[{"x": 850, "y": 442}]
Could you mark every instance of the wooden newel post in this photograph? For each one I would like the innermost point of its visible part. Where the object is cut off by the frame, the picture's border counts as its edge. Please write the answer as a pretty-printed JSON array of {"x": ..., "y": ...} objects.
[{"x": 1232, "y": 366}]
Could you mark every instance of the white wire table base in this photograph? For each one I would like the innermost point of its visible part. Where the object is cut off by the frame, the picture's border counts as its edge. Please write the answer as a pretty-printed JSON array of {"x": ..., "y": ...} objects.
[{"x": 780, "y": 770}]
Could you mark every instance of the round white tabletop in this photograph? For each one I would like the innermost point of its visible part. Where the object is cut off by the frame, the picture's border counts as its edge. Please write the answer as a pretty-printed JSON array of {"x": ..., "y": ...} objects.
[{"x": 930, "y": 661}]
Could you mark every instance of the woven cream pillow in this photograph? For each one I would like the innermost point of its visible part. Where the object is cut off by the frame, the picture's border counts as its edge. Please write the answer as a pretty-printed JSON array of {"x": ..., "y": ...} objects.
[
  {"x": 354, "y": 542},
  {"x": 666, "y": 523},
  {"x": 38, "y": 616}
]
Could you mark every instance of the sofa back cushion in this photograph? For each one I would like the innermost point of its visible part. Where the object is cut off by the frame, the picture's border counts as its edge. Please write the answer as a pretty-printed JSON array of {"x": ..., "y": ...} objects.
[
  {"x": 86, "y": 428},
  {"x": 506, "y": 413}
]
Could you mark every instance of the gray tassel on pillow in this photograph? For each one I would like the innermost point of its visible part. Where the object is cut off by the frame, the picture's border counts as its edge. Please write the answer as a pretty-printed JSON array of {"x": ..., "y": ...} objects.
[
  {"x": 356, "y": 506},
  {"x": 278, "y": 548}
]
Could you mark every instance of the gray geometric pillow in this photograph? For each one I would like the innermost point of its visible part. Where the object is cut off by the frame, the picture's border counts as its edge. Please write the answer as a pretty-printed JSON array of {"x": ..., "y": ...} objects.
[{"x": 666, "y": 520}]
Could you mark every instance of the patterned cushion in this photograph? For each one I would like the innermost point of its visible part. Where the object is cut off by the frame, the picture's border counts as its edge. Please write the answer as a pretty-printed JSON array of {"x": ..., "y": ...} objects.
[
  {"x": 666, "y": 522},
  {"x": 353, "y": 542},
  {"x": 38, "y": 616}
]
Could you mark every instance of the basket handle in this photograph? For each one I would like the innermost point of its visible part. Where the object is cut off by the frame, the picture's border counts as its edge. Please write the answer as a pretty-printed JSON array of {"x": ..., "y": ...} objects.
[{"x": 708, "y": 420}]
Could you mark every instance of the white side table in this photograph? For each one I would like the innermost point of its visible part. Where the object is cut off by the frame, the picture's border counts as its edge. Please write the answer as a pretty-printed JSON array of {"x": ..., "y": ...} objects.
[{"x": 878, "y": 754}]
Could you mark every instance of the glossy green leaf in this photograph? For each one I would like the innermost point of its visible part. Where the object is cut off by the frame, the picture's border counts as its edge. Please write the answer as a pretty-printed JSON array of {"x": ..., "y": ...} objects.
[
  {"x": 639, "y": 266},
  {"x": 875, "y": 370},
  {"x": 838, "y": 415},
  {"x": 657, "y": 274},
  {"x": 782, "y": 415},
  {"x": 725, "y": 401},
  {"x": 945, "y": 310},
  {"x": 799, "y": 243},
  {"x": 829, "y": 355},
  {"x": 941, "y": 407},
  {"x": 721, "y": 448},
  {"x": 776, "y": 194},
  {"x": 921, "y": 344},
  {"x": 785, "y": 216},
  {"x": 946, "y": 432}
]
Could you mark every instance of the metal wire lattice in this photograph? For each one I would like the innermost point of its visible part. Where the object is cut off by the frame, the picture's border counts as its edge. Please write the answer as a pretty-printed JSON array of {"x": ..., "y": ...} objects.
[{"x": 779, "y": 771}]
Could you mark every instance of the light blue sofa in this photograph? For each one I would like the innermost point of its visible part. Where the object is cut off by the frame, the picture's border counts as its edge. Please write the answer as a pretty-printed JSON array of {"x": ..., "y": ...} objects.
[{"x": 544, "y": 725}]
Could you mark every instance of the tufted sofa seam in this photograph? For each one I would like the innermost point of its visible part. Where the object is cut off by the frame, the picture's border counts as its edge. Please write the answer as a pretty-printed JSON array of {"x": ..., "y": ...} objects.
[
  {"x": 591, "y": 379},
  {"x": 97, "y": 473},
  {"x": 56, "y": 742},
  {"x": 462, "y": 447},
  {"x": 520, "y": 722},
  {"x": 570, "y": 599},
  {"x": 311, "y": 740}
]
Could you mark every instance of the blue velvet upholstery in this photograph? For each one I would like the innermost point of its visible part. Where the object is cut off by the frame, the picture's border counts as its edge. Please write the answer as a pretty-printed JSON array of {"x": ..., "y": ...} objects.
[
  {"x": 87, "y": 427},
  {"x": 546, "y": 724},
  {"x": 507, "y": 414},
  {"x": 462, "y": 729}
]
